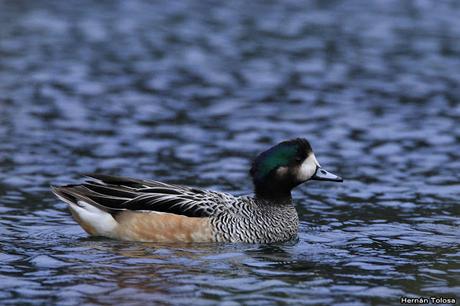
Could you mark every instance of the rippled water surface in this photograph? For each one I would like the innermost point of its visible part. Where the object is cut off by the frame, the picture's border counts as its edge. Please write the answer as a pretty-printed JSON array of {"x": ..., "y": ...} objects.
[{"x": 188, "y": 92}]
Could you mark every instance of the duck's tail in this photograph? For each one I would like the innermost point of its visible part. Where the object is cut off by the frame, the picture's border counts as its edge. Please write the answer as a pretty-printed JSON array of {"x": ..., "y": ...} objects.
[{"x": 93, "y": 218}]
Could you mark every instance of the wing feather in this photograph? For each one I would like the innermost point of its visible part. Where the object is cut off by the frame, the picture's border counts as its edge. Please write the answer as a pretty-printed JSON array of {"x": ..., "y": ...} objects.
[{"x": 115, "y": 193}]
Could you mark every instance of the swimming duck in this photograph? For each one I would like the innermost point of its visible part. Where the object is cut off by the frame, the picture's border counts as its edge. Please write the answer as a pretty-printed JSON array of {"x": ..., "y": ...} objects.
[{"x": 146, "y": 210}]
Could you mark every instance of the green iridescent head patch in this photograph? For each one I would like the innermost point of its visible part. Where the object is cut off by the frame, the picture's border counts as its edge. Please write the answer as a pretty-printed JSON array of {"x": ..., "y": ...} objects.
[{"x": 280, "y": 155}]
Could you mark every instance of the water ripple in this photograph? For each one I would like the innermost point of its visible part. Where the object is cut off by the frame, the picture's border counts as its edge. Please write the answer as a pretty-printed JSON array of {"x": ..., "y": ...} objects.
[{"x": 190, "y": 95}]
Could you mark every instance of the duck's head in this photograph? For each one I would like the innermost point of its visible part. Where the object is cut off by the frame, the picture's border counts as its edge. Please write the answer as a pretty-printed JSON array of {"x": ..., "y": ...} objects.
[{"x": 282, "y": 167}]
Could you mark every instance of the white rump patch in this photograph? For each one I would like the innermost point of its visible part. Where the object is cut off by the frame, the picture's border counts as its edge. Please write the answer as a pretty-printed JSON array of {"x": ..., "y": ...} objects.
[{"x": 101, "y": 221}]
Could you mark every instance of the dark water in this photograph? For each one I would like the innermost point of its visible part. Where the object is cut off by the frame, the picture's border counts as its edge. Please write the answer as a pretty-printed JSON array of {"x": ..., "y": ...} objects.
[{"x": 188, "y": 93}]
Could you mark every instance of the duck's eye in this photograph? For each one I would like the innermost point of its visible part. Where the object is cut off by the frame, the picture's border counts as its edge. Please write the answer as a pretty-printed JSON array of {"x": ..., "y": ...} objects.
[{"x": 298, "y": 159}]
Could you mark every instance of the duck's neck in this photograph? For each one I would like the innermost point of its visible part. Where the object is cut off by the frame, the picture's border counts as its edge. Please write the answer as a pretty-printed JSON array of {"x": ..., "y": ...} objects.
[{"x": 273, "y": 193}]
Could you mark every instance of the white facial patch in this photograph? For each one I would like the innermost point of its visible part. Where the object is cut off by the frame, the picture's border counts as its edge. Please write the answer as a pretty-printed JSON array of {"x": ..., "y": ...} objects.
[
  {"x": 308, "y": 168},
  {"x": 282, "y": 171}
]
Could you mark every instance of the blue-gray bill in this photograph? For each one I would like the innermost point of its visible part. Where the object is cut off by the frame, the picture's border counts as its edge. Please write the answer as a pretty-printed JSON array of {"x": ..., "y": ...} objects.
[{"x": 323, "y": 175}]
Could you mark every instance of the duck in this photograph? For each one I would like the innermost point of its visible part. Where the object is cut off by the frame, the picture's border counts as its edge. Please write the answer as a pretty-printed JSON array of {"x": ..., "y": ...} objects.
[{"x": 130, "y": 209}]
